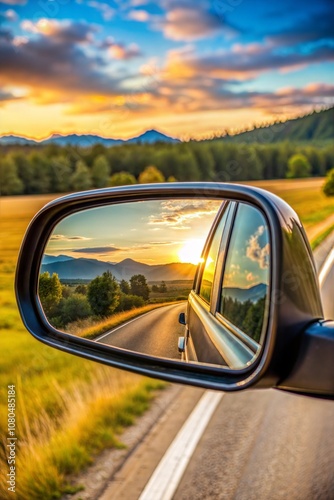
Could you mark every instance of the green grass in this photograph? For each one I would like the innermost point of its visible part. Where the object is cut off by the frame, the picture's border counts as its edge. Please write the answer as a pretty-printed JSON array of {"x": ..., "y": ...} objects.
[{"x": 316, "y": 242}]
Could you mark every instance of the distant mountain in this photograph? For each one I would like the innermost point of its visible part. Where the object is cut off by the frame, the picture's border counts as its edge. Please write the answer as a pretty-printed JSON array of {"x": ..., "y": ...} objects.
[
  {"x": 152, "y": 136},
  {"x": 87, "y": 140},
  {"x": 17, "y": 140},
  {"x": 317, "y": 126},
  {"x": 50, "y": 259},
  {"x": 84, "y": 141},
  {"x": 253, "y": 293},
  {"x": 88, "y": 269}
]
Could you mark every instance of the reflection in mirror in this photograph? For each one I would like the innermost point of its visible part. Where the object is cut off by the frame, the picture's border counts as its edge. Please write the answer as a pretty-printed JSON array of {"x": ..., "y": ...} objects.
[
  {"x": 107, "y": 266},
  {"x": 121, "y": 274},
  {"x": 246, "y": 275}
]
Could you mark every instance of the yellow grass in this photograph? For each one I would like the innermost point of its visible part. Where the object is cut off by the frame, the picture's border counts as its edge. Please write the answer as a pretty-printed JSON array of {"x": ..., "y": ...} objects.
[{"x": 92, "y": 331}]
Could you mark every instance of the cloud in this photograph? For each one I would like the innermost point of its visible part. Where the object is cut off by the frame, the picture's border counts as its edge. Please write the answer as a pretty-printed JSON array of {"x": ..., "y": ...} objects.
[
  {"x": 121, "y": 51},
  {"x": 7, "y": 96},
  {"x": 97, "y": 250},
  {"x": 255, "y": 252},
  {"x": 62, "y": 32},
  {"x": 251, "y": 277},
  {"x": 62, "y": 237},
  {"x": 9, "y": 15},
  {"x": 190, "y": 22},
  {"x": 141, "y": 16},
  {"x": 105, "y": 9},
  {"x": 54, "y": 64},
  {"x": 243, "y": 62},
  {"x": 178, "y": 214}
]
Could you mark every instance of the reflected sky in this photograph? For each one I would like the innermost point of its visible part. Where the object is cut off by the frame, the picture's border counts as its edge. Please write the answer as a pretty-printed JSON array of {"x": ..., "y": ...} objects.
[{"x": 154, "y": 232}]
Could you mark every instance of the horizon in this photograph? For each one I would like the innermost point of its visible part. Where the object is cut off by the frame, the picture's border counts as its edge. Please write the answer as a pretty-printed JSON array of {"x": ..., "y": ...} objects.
[
  {"x": 157, "y": 232},
  {"x": 192, "y": 71},
  {"x": 244, "y": 129}
]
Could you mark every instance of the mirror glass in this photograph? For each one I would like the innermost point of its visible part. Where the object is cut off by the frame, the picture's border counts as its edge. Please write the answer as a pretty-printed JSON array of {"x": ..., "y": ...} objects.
[{"x": 122, "y": 274}]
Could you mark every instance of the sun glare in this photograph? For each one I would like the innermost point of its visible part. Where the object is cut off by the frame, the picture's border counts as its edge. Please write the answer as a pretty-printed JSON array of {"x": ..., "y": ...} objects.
[{"x": 191, "y": 251}]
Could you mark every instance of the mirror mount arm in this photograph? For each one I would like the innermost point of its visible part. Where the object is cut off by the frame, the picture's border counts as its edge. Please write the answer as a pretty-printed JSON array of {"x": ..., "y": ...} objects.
[{"x": 313, "y": 370}]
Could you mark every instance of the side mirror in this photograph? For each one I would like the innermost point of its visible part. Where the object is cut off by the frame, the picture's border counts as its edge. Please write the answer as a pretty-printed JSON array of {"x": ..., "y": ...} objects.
[{"x": 206, "y": 284}]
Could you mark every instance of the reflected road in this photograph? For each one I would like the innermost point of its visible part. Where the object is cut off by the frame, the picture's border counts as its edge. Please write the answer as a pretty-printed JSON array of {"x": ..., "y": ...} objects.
[{"x": 155, "y": 333}]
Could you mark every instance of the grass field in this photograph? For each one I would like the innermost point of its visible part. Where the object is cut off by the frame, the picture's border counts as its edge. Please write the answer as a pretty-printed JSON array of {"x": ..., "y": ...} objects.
[{"x": 54, "y": 388}]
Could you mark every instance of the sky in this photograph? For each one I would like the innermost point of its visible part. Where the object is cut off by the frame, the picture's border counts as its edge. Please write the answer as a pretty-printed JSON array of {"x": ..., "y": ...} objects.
[
  {"x": 162, "y": 232},
  {"x": 152, "y": 232},
  {"x": 188, "y": 69}
]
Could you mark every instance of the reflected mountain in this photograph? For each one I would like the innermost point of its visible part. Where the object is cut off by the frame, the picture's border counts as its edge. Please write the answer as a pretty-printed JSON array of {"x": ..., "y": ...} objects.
[
  {"x": 253, "y": 293},
  {"x": 69, "y": 268}
]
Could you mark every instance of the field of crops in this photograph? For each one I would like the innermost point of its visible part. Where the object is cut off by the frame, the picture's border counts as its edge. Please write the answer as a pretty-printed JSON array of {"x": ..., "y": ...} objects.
[{"x": 68, "y": 409}]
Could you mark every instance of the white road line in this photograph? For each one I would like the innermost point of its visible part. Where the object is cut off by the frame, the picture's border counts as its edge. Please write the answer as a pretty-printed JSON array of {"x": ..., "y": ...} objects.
[
  {"x": 127, "y": 323},
  {"x": 326, "y": 267},
  {"x": 167, "y": 476},
  {"x": 121, "y": 326}
]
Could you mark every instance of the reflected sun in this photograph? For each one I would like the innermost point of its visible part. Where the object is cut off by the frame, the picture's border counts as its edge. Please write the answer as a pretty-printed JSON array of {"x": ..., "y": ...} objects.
[{"x": 191, "y": 251}]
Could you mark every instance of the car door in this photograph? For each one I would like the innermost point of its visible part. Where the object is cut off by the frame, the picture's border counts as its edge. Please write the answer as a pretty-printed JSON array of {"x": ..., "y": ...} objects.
[{"x": 228, "y": 308}]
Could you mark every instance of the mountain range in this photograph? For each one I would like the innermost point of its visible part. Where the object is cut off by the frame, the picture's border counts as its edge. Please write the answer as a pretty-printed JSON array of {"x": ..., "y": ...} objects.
[
  {"x": 316, "y": 126},
  {"x": 87, "y": 140},
  {"x": 69, "y": 268},
  {"x": 254, "y": 293}
]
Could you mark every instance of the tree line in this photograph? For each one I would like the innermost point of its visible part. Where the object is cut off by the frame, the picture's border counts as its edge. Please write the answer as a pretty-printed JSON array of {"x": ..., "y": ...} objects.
[
  {"x": 59, "y": 169},
  {"x": 103, "y": 296}
]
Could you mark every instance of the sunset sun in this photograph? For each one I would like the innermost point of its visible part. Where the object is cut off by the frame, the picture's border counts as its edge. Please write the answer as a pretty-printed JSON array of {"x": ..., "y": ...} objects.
[{"x": 191, "y": 251}]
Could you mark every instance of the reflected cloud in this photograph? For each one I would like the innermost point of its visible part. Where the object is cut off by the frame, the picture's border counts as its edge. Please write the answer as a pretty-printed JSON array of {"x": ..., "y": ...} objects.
[
  {"x": 254, "y": 251},
  {"x": 62, "y": 237}
]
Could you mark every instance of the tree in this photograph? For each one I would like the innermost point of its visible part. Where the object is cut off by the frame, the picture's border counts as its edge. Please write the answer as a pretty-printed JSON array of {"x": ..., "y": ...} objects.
[
  {"x": 163, "y": 287},
  {"x": 151, "y": 174},
  {"x": 81, "y": 289},
  {"x": 100, "y": 172},
  {"x": 50, "y": 292},
  {"x": 139, "y": 286},
  {"x": 24, "y": 170},
  {"x": 128, "y": 302},
  {"x": 328, "y": 187},
  {"x": 122, "y": 179},
  {"x": 10, "y": 182},
  {"x": 40, "y": 167},
  {"x": 125, "y": 287},
  {"x": 74, "y": 308},
  {"x": 103, "y": 294},
  {"x": 60, "y": 173},
  {"x": 298, "y": 166},
  {"x": 81, "y": 178}
]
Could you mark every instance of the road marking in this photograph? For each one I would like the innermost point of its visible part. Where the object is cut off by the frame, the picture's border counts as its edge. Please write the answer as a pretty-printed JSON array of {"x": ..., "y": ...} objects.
[
  {"x": 326, "y": 267},
  {"x": 130, "y": 321},
  {"x": 168, "y": 474}
]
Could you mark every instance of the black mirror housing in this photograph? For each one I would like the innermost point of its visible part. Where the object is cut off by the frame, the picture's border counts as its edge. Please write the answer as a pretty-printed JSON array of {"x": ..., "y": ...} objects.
[{"x": 294, "y": 299}]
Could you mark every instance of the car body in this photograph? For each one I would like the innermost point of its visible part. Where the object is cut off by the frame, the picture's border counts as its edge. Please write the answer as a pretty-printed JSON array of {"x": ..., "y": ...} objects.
[{"x": 214, "y": 334}]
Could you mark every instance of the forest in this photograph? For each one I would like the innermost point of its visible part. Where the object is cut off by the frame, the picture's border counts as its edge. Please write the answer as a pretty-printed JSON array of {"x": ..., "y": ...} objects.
[{"x": 39, "y": 169}]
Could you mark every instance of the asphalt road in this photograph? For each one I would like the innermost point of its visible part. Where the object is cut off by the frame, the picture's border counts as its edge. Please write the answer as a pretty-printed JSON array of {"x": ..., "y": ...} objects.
[{"x": 155, "y": 333}]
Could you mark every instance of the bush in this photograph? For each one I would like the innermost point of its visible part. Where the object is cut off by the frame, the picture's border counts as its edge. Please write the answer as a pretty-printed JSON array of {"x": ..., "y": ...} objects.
[
  {"x": 328, "y": 187},
  {"x": 128, "y": 302},
  {"x": 298, "y": 166},
  {"x": 74, "y": 308}
]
